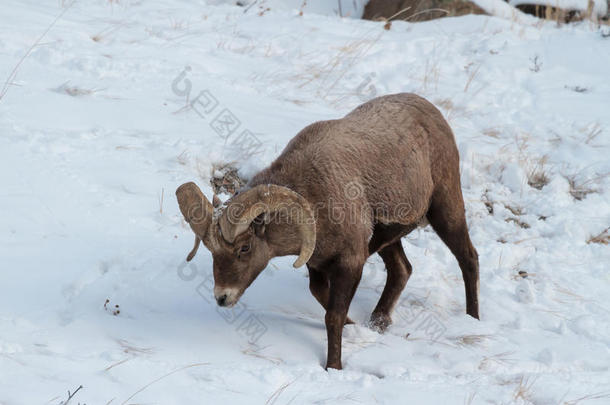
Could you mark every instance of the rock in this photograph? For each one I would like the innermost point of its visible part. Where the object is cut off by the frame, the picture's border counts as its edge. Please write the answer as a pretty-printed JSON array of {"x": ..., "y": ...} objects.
[{"x": 418, "y": 10}]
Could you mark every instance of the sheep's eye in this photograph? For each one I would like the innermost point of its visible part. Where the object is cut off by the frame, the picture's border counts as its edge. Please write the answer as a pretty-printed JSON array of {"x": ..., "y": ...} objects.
[{"x": 244, "y": 249}]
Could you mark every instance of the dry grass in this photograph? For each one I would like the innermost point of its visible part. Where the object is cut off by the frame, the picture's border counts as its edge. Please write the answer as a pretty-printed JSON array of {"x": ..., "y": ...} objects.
[
  {"x": 523, "y": 390},
  {"x": 473, "y": 340},
  {"x": 161, "y": 378},
  {"x": 101, "y": 35},
  {"x": 75, "y": 91},
  {"x": 603, "y": 238},
  {"x": 469, "y": 398},
  {"x": 517, "y": 212},
  {"x": 591, "y": 132},
  {"x": 581, "y": 189},
  {"x": 118, "y": 363},
  {"x": 326, "y": 76},
  {"x": 276, "y": 394},
  {"x": 492, "y": 133},
  {"x": 472, "y": 74},
  {"x": 251, "y": 351},
  {"x": 225, "y": 178},
  {"x": 537, "y": 175},
  {"x": 537, "y": 172},
  {"x": 131, "y": 349},
  {"x": 161, "y": 197},
  {"x": 498, "y": 359},
  {"x": 518, "y": 222},
  {"x": 431, "y": 74},
  {"x": 567, "y": 296},
  {"x": 183, "y": 158},
  {"x": 488, "y": 203},
  {"x": 514, "y": 210},
  {"x": 13, "y": 74},
  {"x": 597, "y": 395}
]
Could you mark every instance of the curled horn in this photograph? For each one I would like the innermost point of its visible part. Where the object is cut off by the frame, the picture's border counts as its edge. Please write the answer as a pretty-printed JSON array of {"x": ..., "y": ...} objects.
[
  {"x": 246, "y": 206},
  {"x": 197, "y": 211}
]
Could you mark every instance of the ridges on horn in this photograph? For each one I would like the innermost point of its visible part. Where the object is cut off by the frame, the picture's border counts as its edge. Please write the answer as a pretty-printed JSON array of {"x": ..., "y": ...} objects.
[{"x": 245, "y": 207}]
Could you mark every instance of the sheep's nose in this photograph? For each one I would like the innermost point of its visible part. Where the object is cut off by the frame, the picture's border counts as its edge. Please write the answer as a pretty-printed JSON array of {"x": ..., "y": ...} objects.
[{"x": 222, "y": 300}]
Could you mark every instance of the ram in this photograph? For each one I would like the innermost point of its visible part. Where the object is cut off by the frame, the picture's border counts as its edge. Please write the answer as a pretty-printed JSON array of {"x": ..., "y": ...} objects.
[{"x": 341, "y": 191}]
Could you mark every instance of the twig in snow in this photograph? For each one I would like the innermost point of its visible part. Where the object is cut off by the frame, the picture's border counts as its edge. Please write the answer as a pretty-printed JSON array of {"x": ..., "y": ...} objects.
[
  {"x": 70, "y": 396},
  {"x": 426, "y": 11},
  {"x": 161, "y": 200},
  {"x": 471, "y": 78},
  {"x": 250, "y": 6},
  {"x": 278, "y": 392}
]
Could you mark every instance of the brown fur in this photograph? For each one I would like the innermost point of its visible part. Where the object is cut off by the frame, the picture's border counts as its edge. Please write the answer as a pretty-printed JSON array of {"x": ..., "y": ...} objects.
[{"x": 369, "y": 178}]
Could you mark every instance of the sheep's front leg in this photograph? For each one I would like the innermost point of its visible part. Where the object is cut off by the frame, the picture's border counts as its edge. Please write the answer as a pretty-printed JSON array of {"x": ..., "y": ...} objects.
[
  {"x": 343, "y": 283},
  {"x": 318, "y": 285}
]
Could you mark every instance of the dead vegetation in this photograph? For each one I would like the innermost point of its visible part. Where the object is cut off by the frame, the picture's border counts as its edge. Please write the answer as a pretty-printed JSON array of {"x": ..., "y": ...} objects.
[
  {"x": 518, "y": 222},
  {"x": 524, "y": 391},
  {"x": 327, "y": 75},
  {"x": 106, "y": 32},
  {"x": 256, "y": 352},
  {"x": 75, "y": 91},
  {"x": 560, "y": 15},
  {"x": 225, "y": 178},
  {"x": 473, "y": 340},
  {"x": 71, "y": 395},
  {"x": 537, "y": 175},
  {"x": 591, "y": 132},
  {"x": 498, "y": 359},
  {"x": 603, "y": 238},
  {"x": 589, "y": 397},
  {"x": 580, "y": 189},
  {"x": 131, "y": 349},
  {"x": 517, "y": 212}
]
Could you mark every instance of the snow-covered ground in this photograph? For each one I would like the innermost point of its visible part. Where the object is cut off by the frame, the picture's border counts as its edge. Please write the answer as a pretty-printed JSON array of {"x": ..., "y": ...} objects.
[{"x": 95, "y": 137}]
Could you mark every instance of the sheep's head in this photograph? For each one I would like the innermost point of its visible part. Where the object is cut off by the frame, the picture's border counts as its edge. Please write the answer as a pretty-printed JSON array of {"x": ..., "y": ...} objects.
[{"x": 235, "y": 234}]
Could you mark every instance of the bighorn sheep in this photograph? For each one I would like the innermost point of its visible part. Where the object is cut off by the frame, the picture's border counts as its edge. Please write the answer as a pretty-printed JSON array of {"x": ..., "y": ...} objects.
[{"x": 341, "y": 191}]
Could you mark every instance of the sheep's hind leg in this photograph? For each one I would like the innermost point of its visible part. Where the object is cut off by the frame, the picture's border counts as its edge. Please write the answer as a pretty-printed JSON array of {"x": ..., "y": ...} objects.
[
  {"x": 319, "y": 287},
  {"x": 399, "y": 270},
  {"x": 448, "y": 220}
]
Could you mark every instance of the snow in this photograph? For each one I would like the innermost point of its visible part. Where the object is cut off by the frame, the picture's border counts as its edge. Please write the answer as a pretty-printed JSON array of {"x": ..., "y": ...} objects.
[{"x": 95, "y": 141}]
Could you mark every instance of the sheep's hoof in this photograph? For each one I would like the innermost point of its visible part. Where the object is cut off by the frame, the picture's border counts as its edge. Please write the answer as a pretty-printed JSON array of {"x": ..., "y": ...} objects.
[
  {"x": 336, "y": 366},
  {"x": 380, "y": 322}
]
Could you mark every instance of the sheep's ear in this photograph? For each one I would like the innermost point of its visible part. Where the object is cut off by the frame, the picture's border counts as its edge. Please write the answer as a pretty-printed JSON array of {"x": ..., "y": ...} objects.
[{"x": 260, "y": 223}]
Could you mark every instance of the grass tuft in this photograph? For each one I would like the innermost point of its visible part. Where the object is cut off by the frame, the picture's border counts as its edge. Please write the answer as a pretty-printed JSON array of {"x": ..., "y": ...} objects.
[
  {"x": 603, "y": 238},
  {"x": 225, "y": 178},
  {"x": 537, "y": 176},
  {"x": 580, "y": 190},
  {"x": 523, "y": 391}
]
